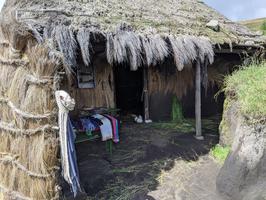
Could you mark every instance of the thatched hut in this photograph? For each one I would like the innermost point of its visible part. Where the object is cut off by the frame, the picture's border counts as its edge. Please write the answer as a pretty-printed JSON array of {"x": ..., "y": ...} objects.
[{"x": 45, "y": 45}]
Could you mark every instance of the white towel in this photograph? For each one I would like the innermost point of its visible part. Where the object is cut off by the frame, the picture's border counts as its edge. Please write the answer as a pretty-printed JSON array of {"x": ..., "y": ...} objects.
[
  {"x": 65, "y": 104},
  {"x": 106, "y": 128}
]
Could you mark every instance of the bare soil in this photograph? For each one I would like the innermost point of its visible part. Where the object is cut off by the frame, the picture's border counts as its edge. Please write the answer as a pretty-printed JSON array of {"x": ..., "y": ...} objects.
[{"x": 151, "y": 162}]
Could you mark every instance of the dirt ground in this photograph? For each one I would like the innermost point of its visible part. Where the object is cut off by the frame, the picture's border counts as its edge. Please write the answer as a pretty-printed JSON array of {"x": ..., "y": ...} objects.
[{"x": 158, "y": 161}]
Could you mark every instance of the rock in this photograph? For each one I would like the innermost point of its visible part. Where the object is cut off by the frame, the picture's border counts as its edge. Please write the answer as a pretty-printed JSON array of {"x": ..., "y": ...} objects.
[
  {"x": 250, "y": 43},
  {"x": 214, "y": 25},
  {"x": 259, "y": 33},
  {"x": 229, "y": 124},
  {"x": 243, "y": 176}
]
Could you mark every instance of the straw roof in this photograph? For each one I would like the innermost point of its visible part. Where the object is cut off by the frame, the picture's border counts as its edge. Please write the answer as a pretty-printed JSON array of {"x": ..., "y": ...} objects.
[
  {"x": 174, "y": 17},
  {"x": 137, "y": 32}
]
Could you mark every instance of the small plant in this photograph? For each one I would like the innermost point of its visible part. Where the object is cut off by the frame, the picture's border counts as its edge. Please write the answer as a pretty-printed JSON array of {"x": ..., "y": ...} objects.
[{"x": 220, "y": 153}]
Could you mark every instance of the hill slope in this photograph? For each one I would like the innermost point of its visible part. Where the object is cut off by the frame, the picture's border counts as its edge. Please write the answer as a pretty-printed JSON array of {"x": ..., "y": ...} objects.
[{"x": 256, "y": 24}]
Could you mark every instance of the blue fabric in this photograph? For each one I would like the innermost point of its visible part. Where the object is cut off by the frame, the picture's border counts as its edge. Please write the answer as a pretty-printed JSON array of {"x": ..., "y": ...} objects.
[
  {"x": 74, "y": 172},
  {"x": 87, "y": 124},
  {"x": 117, "y": 131}
]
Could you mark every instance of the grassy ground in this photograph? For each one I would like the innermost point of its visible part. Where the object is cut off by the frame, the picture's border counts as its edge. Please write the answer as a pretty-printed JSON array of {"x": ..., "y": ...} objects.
[
  {"x": 256, "y": 24},
  {"x": 248, "y": 87}
]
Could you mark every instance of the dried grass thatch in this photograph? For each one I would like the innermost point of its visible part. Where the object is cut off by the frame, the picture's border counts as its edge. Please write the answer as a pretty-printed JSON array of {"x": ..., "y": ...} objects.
[
  {"x": 125, "y": 46},
  {"x": 179, "y": 17},
  {"x": 83, "y": 38},
  {"x": 102, "y": 95},
  {"x": 159, "y": 49},
  {"x": 29, "y": 145},
  {"x": 68, "y": 46},
  {"x": 178, "y": 83}
]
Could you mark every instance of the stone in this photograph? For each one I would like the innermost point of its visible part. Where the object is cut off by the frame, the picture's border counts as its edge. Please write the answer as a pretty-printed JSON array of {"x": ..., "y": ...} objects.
[
  {"x": 250, "y": 43},
  {"x": 214, "y": 25},
  {"x": 229, "y": 123},
  {"x": 243, "y": 175}
]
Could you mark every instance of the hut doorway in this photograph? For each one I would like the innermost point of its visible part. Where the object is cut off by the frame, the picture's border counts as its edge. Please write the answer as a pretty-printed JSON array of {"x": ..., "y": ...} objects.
[{"x": 129, "y": 90}]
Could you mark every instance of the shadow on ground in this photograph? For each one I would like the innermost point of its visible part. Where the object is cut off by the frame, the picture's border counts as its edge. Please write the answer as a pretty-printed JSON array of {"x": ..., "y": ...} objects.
[{"x": 136, "y": 164}]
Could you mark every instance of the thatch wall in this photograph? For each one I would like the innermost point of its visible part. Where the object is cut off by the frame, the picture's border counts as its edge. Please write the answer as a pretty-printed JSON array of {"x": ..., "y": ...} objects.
[
  {"x": 179, "y": 82},
  {"x": 103, "y": 95},
  {"x": 28, "y": 141}
]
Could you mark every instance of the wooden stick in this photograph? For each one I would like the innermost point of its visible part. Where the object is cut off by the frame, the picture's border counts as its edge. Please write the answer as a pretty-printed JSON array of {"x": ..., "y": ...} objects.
[
  {"x": 198, "y": 101},
  {"x": 146, "y": 93}
]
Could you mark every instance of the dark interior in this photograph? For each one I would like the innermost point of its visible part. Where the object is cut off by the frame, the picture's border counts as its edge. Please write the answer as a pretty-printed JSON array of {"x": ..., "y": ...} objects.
[
  {"x": 129, "y": 88},
  {"x": 212, "y": 104},
  {"x": 161, "y": 104}
]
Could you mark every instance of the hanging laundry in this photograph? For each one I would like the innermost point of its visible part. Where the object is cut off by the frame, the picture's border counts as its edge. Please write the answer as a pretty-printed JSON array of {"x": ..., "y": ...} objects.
[
  {"x": 77, "y": 124},
  {"x": 95, "y": 121},
  {"x": 88, "y": 125},
  {"x": 106, "y": 127},
  {"x": 115, "y": 127},
  {"x": 73, "y": 171}
]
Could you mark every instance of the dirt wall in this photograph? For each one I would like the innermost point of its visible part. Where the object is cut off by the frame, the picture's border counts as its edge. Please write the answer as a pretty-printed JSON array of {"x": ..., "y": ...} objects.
[{"x": 243, "y": 176}]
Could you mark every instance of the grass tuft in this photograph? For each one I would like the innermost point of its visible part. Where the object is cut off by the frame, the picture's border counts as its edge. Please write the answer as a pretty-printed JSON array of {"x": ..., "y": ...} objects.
[
  {"x": 183, "y": 127},
  {"x": 220, "y": 153}
]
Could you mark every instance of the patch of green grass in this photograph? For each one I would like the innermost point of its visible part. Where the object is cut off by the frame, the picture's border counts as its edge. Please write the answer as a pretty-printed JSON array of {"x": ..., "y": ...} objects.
[
  {"x": 220, "y": 153},
  {"x": 184, "y": 127},
  {"x": 248, "y": 87}
]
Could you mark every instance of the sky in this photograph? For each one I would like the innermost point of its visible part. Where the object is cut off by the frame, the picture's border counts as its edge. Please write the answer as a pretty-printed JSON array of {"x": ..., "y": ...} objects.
[
  {"x": 235, "y": 10},
  {"x": 1, "y": 3}
]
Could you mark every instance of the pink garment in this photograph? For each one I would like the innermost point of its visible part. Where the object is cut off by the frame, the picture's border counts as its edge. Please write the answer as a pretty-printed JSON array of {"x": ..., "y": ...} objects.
[{"x": 114, "y": 128}]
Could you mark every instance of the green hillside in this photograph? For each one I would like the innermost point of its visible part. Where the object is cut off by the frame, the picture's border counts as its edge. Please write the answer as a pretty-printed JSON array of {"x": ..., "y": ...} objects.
[
  {"x": 256, "y": 24},
  {"x": 248, "y": 86}
]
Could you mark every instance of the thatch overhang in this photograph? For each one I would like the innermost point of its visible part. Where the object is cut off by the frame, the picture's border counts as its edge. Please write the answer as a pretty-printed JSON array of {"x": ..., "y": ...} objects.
[
  {"x": 171, "y": 17},
  {"x": 139, "y": 32}
]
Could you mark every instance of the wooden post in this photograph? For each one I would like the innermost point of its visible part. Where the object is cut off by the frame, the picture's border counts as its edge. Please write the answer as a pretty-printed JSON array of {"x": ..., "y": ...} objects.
[
  {"x": 146, "y": 93},
  {"x": 198, "y": 101}
]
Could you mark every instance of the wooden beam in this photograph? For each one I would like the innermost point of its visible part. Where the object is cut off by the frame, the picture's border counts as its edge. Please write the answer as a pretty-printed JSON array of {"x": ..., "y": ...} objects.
[
  {"x": 198, "y": 101},
  {"x": 146, "y": 94}
]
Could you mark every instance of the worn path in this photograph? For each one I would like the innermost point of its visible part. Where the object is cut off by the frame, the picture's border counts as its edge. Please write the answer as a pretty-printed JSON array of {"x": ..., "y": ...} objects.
[{"x": 189, "y": 181}]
